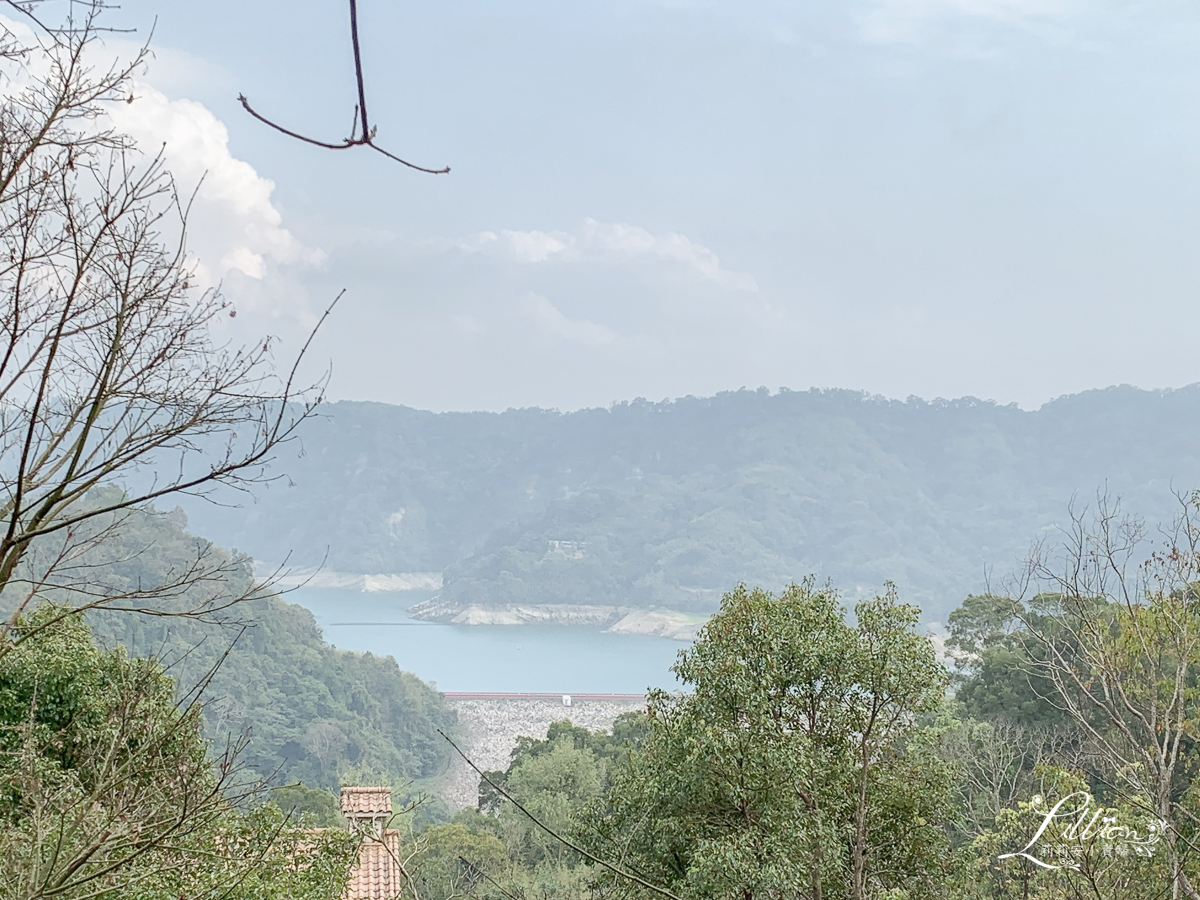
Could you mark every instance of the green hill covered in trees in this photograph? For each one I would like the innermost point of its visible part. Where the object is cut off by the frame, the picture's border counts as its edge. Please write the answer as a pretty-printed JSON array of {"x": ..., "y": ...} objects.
[
  {"x": 667, "y": 504},
  {"x": 311, "y": 712}
]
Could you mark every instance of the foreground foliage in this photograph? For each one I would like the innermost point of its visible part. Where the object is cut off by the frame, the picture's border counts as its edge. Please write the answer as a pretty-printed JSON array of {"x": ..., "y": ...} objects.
[
  {"x": 309, "y": 711},
  {"x": 107, "y": 788},
  {"x": 796, "y": 765},
  {"x": 818, "y": 757}
]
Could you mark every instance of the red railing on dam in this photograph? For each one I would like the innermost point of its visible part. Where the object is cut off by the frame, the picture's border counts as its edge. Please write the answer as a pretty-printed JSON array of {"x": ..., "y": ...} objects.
[{"x": 474, "y": 695}]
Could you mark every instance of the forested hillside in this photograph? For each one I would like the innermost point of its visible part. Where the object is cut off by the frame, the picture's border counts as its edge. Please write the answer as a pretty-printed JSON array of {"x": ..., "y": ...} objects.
[
  {"x": 311, "y": 712},
  {"x": 667, "y": 504}
]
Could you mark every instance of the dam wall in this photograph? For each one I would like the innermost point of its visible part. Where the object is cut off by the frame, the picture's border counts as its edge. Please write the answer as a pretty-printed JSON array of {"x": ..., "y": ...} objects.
[{"x": 489, "y": 725}]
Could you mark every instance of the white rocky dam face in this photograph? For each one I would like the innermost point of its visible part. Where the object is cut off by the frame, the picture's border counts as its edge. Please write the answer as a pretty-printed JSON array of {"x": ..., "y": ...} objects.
[{"x": 488, "y": 729}]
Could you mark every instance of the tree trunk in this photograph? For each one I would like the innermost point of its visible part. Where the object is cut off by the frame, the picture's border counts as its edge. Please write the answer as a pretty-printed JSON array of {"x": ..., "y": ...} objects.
[{"x": 858, "y": 890}]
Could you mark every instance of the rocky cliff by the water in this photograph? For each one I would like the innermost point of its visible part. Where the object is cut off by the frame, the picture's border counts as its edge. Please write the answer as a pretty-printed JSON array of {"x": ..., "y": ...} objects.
[{"x": 620, "y": 620}]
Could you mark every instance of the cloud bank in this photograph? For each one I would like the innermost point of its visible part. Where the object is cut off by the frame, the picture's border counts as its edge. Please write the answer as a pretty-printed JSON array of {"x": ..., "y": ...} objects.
[
  {"x": 234, "y": 226},
  {"x": 235, "y": 233},
  {"x": 617, "y": 243}
]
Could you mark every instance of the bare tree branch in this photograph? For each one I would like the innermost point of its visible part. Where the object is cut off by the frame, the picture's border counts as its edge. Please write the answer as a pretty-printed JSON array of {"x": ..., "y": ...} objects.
[
  {"x": 362, "y": 133},
  {"x": 1116, "y": 627},
  {"x": 108, "y": 364}
]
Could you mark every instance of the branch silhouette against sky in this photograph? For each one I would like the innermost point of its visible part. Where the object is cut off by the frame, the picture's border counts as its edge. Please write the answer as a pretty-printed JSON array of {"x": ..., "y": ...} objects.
[{"x": 362, "y": 133}]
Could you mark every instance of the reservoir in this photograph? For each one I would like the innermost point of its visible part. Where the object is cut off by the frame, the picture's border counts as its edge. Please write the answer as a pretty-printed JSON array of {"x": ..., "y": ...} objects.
[{"x": 485, "y": 658}]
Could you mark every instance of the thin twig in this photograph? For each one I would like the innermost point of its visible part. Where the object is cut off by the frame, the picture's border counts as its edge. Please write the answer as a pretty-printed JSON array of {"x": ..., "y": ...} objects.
[{"x": 367, "y": 137}]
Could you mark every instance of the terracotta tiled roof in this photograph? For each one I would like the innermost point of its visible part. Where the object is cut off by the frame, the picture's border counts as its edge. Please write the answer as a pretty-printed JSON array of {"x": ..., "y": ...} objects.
[
  {"x": 368, "y": 800},
  {"x": 377, "y": 876}
]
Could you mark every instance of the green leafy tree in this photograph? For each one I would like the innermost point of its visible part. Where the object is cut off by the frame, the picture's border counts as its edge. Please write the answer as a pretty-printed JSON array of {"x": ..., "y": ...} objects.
[
  {"x": 1007, "y": 721},
  {"x": 311, "y": 711},
  {"x": 555, "y": 786},
  {"x": 995, "y": 654},
  {"x": 107, "y": 789},
  {"x": 459, "y": 858},
  {"x": 606, "y": 748},
  {"x": 561, "y": 780},
  {"x": 796, "y": 765}
]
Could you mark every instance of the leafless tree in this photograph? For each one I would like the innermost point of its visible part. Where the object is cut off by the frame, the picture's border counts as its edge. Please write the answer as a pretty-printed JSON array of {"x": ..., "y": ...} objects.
[
  {"x": 114, "y": 391},
  {"x": 324, "y": 740},
  {"x": 1116, "y": 622},
  {"x": 996, "y": 764}
]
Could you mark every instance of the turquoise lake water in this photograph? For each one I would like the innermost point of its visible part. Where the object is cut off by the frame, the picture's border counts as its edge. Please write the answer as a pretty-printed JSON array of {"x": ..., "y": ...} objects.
[{"x": 536, "y": 658}]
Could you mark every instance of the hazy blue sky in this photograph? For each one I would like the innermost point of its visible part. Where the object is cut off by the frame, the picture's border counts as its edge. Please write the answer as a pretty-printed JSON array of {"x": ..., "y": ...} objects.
[{"x": 937, "y": 197}]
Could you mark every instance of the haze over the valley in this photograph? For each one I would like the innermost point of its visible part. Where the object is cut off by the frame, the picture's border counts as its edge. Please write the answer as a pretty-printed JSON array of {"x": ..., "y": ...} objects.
[
  {"x": 899, "y": 198},
  {"x": 533, "y": 515},
  {"x": 765, "y": 464},
  {"x": 937, "y": 198}
]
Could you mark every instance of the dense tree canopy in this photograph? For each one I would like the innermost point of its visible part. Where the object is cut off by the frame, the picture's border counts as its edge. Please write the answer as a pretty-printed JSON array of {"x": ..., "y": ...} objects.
[
  {"x": 796, "y": 764},
  {"x": 107, "y": 788},
  {"x": 817, "y": 756}
]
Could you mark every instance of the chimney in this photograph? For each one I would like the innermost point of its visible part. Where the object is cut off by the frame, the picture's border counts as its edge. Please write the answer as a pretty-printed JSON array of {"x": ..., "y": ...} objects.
[{"x": 367, "y": 808}]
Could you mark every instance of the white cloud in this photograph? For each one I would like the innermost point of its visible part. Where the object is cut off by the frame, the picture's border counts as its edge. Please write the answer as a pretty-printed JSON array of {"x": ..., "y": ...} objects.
[
  {"x": 234, "y": 225},
  {"x": 630, "y": 242},
  {"x": 551, "y": 319},
  {"x": 609, "y": 242},
  {"x": 892, "y": 21},
  {"x": 527, "y": 246},
  {"x": 235, "y": 233}
]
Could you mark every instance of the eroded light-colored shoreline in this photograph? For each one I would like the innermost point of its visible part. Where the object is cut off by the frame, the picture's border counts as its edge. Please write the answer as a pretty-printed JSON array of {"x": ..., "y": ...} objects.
[{"x": 619, "y": 620}]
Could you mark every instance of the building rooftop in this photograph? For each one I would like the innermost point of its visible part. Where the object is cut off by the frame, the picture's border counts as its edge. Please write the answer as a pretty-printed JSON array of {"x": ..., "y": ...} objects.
[{"x": 377, "y": 876}]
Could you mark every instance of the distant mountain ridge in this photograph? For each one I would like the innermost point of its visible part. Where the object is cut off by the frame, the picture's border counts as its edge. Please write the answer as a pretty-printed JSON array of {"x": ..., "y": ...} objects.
[{"x": 669, "y": 504}]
